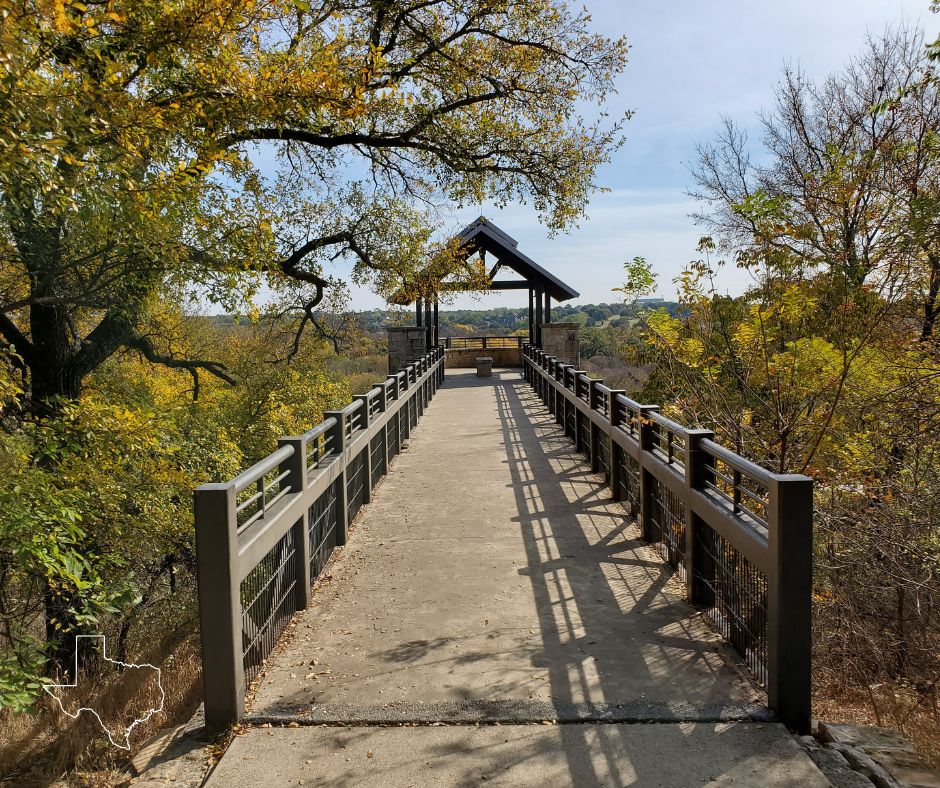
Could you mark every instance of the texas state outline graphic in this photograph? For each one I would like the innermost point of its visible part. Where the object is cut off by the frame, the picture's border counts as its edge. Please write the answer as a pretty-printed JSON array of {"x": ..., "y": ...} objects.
[{"x": 50, "y": 689}]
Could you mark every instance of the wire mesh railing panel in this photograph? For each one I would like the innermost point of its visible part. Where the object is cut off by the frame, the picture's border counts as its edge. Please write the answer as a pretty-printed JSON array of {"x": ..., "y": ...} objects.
[
  {"x": 629, "y": 480},
  {"x": 323, "y": 519},
  {"x": 377, "y": 456},
  {"x": 603, "y": 456},
  {"x": 666, "y": 442},
  {"x": 479, "y": 343},
  {"x": 392, "y": 433},
  {"x": 584, "y": 434},
  {"x": 267, "y": 603},
  {"x": 744, "y": 495},
  {"x": 254, "y": 502},
  {"x": 668, "y": 519},
  {"x": 355, "y": 485},
  {"x": 734, "y": 594},
  {"x": 571, "y": 427},
  {"x": 765, "y": 518}
]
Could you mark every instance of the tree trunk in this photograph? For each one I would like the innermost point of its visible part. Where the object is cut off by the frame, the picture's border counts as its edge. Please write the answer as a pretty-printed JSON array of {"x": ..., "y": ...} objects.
[{"x": 53, "y": 376}]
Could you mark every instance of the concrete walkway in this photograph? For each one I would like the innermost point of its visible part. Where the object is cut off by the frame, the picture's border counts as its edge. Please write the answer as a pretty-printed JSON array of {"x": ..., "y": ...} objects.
[{"x": 492, "y": 608}]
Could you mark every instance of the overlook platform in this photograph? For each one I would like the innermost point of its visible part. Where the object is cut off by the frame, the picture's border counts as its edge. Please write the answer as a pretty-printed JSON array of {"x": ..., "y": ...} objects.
[{"x": 494, "y": 616}]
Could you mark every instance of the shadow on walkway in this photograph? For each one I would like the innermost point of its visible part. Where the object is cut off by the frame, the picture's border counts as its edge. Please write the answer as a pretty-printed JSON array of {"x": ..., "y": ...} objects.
[
  {"x": 613, "y": 625},
  {"x": 493, "y": 578}
]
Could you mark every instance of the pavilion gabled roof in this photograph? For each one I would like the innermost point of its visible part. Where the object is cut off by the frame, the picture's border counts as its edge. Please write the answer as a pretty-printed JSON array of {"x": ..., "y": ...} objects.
[{"x": 483, "y": 235}]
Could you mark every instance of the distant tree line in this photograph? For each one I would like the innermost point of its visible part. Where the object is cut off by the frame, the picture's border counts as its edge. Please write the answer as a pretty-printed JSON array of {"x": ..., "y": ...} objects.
[{"x": 506, "y": 320}]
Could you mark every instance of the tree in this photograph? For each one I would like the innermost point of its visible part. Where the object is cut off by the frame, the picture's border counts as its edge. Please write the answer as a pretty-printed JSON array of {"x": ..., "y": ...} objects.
[
  {"x": 829, "y": 364},
  {"x": 850, "y": 185},
  {"x": 133, "y": 136}
]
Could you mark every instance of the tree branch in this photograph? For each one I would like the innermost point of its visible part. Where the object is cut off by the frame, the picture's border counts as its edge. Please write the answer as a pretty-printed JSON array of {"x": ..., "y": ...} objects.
[
  {"x": 145, "y": 347},
  {"x": 12, "y": 334}
]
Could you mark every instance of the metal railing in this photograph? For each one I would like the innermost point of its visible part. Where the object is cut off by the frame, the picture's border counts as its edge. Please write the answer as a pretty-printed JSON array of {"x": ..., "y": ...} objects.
[
  {"x": 482, "y": 343},
  {"x": 263, "y": 537},
  {"x": 739, "y": 536}
]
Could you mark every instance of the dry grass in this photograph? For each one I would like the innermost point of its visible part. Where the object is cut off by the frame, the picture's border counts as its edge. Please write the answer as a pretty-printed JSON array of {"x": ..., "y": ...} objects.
[
  {"x": 40, "y": 748},
  {"x": 887, "y": 706}
]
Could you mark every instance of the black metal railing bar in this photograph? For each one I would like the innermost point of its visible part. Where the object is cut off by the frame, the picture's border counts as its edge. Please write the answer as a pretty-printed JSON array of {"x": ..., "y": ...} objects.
[
  {"x": 264, "y": 536},
  {"x": 482, "y": 343},
  {"x": 738, "y": 535}
]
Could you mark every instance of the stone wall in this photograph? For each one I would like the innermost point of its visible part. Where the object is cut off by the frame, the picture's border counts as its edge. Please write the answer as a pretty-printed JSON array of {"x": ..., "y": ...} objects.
[
  {"x": 405, "y": 344},
  {"x": 459, "y": 358},
  {"x": 563, "y": 340}
]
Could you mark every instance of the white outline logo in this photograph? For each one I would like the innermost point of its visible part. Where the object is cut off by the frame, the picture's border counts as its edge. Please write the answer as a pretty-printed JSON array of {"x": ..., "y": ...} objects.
[{"x": 104, "y": 654}]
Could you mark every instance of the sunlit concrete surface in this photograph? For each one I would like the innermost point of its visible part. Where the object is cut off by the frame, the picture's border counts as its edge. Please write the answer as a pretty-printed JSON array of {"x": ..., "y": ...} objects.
[
  {"x": 492, "y": 566},
  {"x": 671, "y": 756}
]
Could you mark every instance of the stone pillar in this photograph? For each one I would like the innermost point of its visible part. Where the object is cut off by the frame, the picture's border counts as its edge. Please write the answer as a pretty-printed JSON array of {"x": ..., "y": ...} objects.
[
  {"x": 563, "y": 341},
  {"x": 405, "y": 344}
]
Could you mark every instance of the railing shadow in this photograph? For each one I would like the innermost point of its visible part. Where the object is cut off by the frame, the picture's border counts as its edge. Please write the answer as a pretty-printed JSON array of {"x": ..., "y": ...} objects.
[{"x": 610, "y": 631}]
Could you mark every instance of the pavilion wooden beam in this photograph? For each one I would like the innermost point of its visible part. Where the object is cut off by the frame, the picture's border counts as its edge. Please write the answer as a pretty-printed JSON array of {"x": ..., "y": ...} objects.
[
  {"x": 428, "y": 326},
  {"x": 538, "y": 317},
  {"x": 510, "y": 284},
  {"x": 531, "y": 316}
]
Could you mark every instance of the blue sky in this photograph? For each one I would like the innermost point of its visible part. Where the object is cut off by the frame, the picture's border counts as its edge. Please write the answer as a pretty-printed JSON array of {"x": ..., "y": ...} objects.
[{"x": 691, "y": 61}]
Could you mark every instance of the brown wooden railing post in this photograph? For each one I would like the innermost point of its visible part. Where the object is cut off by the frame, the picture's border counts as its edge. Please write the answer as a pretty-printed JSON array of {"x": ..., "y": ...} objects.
[
  {"x": 551, "y": 393},
  {"x": 543, "y": 384},
  {"x": 614, "y": 413},
  {"x": 406, "y": 408},
  {"x": 566, "y": 406},
  {"x": 698, "y": 585},
  {"x": 365, "y": 419},
  {"x": 594, "y": 438},
  {"x": 296, "y": 466},
  {"x": 220, "y": 626},
  {"x": 388, "y": 455},
  {"x": 576, "y": 375},
  {"x": 383, "y": 406},
  {"x": 423, "y": 386},
  {"x": 338, "y": 443},
  {"x": 647, "y": 481},
  {"x": 428, "y": 386},
  {"x": 789, "y": 600}
]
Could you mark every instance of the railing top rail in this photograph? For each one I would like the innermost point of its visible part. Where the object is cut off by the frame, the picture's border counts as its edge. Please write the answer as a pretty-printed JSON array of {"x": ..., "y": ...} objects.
[
  {"x": 603, "y": 389},
  {"x": 319, "y": 429},
  {"x": 261, "y": 468},
  {"x": 352, "y": 407},
  {"x": 710, "y": 447},
  {"x": 749, "y": 567},
  {"x": 738, "y": 463},
  {"x": 632, "y": 404},
  {"x": 669, "y": 424},
  {"x": 266, "y": 539}
]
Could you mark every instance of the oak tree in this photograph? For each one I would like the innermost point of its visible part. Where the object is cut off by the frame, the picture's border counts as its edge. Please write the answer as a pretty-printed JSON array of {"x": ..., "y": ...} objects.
[{"x": 209, "y": 148}]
